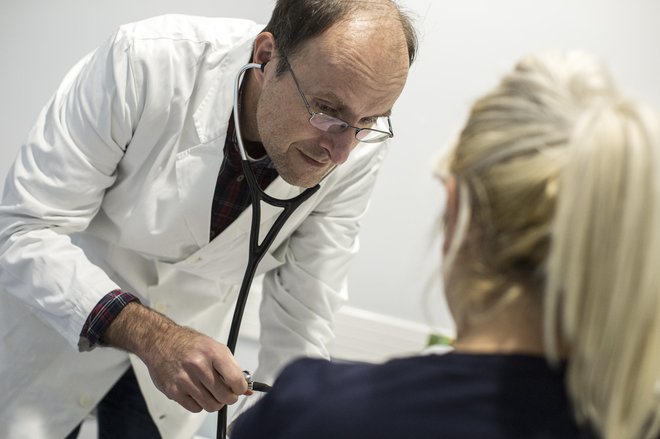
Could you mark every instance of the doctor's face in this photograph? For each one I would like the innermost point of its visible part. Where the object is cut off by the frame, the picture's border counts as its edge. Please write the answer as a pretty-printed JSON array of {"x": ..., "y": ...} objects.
[{"x": 341, "y": 73}]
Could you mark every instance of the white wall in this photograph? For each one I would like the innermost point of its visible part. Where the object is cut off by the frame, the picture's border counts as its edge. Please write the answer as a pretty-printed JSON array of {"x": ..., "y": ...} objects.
[{"x": 465, "y": 46}]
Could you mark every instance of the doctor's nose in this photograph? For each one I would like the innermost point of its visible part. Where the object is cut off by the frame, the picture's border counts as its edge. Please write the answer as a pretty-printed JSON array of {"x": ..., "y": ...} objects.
[{"x": 339, "y": 145}]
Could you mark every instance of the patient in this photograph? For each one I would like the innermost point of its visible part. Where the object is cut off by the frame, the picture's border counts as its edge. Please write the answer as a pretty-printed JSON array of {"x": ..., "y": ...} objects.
[{"x": 551, "y": 270}]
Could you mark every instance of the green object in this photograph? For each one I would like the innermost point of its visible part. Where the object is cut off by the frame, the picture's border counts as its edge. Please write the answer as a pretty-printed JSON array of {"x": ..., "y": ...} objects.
[{"x": 439, "y": 339}]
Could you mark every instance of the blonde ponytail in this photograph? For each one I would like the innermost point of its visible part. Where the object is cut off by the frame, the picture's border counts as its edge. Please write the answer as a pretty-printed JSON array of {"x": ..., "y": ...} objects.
[{"x": 603, "y": 278}]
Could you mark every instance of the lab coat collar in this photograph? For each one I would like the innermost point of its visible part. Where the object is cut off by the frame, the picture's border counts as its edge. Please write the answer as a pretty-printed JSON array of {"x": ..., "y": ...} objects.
[{"x": 212, "y": 116}]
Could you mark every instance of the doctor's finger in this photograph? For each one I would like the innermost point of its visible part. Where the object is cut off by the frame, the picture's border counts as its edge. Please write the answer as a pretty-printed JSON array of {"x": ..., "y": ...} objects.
[
  {"x": 212, "y": 402},
  {"x": 221, "y": 396},
  {"x": 215, "y": 385},
  {"x": 189, "y": 403},
  {"x": 230, "y": 373}
]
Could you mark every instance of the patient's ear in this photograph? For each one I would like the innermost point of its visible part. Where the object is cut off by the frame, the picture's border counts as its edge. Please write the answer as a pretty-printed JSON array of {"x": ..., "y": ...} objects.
[{"x": 451, "y": 212}]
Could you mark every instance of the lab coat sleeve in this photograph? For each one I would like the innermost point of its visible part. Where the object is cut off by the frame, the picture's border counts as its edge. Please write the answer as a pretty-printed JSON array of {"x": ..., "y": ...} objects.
[
  {"x": 301, "y": 297},
  {"x": 56, "y": 186}
]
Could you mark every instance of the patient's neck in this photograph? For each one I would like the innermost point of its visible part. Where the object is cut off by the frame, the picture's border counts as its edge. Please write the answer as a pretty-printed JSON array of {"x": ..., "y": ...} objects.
[{"x": 513, "y": 328}]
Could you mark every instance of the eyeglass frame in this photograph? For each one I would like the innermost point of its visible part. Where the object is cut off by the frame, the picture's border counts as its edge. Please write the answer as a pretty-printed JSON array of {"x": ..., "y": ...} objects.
[{"x": 312, "y": 114}]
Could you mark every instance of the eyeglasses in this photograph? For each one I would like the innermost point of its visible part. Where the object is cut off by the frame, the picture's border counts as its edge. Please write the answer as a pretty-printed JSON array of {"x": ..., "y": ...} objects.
[{"x": 331, "y": 124}]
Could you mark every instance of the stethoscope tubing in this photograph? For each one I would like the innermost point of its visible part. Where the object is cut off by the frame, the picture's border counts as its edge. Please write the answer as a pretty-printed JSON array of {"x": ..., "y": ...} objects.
[{"x": 256, "y": 250}]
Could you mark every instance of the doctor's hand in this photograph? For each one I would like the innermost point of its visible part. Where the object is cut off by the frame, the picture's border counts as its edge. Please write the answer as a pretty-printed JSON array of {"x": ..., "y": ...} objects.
[{"x": 188, "y": 367}]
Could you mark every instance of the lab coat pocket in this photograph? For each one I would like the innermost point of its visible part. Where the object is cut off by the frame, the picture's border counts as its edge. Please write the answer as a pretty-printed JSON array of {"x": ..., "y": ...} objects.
[{"x": 182, "y": 295}]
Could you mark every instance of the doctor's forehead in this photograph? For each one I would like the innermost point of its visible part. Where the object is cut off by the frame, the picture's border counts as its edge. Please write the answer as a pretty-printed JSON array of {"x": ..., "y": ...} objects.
[{"x": 321, "y": 62}]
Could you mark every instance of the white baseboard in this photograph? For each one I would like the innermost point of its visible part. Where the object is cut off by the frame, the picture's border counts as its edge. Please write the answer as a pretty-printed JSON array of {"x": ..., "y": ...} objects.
[
  {"x": 360, "y": 335},
  {"x": 369, "y": 336}
]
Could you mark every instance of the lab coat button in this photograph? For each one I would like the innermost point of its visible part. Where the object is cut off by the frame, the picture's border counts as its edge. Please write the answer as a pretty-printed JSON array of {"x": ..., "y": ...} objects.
[
  {"x": 86, "y": 402},
  {"x": 160, "y": 307}
]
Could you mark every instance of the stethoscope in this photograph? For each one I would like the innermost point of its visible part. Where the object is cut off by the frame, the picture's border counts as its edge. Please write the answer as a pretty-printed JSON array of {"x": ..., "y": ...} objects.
[{"x": 256, "y": 251}]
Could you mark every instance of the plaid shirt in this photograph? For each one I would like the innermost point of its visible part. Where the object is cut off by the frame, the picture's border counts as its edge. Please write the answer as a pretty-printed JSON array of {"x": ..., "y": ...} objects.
[
  {"x": 230, "y": 199},
  {"x": 102, "y": 315},
  {"x": 232, "y": 195}
]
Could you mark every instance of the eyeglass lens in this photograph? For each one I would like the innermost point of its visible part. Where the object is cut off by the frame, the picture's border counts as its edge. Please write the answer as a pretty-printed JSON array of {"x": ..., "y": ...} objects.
[{"x": 333, "y": 125}]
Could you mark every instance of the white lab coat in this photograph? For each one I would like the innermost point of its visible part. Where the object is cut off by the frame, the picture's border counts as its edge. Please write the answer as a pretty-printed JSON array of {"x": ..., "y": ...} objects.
[{"x": 113, "y": 189}]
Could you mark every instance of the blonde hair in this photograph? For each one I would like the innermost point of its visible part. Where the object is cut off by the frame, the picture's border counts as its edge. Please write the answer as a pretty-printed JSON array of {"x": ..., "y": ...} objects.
[{"x": 558, "y": 179}]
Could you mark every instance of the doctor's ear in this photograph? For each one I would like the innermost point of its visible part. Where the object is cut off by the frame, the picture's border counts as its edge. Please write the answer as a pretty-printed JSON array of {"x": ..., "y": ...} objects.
[{"x": 264, "y": 49}]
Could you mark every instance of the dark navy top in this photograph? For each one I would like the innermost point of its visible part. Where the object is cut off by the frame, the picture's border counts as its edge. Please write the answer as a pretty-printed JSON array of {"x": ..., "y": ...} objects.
[{"x": 449, "y": 396}]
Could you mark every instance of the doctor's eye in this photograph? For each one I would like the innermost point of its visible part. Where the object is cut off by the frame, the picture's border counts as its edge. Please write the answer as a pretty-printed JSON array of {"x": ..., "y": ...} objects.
[
  {"x": 368, "y": 121},
  {"x": 324, "y": 108}
]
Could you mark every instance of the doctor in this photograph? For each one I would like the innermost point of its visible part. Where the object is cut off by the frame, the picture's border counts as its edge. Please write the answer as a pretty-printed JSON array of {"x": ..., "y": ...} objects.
[{"x": 123, "y": 229}]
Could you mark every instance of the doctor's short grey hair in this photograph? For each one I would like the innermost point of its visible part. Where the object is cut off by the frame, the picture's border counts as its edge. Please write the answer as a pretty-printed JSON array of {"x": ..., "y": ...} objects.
[
  {"x": 294, "y": 22},
  {"x": 558, "y": 179}
]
